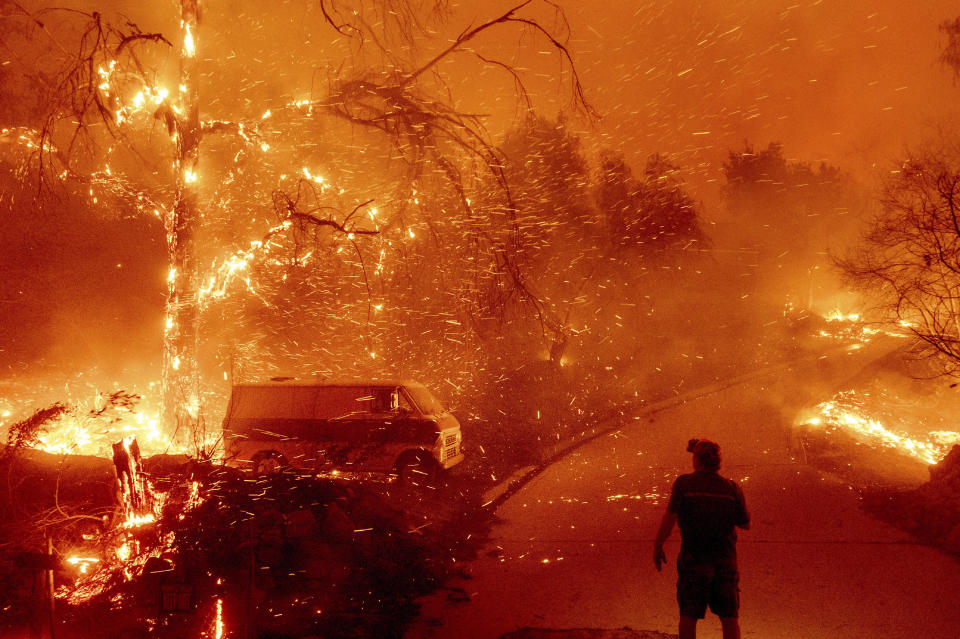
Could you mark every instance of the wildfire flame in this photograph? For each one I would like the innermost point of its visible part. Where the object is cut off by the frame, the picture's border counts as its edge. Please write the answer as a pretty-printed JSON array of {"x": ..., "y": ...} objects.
[
  {"x": 837, "y": 316},
  {"x": 93, "y": 423},
  {"x": 847, "y": 412},
  {"x": 125, "y": 556},
  {"x": 82, "y": 563}
]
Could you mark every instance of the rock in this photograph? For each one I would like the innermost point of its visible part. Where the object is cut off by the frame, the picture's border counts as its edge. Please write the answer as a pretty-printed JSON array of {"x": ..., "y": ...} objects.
[
  {"x": 948, "y": 470},
  {"x": 952, "y": 540}
]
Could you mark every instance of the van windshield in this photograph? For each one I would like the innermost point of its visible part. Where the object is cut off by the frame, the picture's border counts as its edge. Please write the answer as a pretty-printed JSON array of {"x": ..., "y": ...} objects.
[{"x": 427, "y": 403}]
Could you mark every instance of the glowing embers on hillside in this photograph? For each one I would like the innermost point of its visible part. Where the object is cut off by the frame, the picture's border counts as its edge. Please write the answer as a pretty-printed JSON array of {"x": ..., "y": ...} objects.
[
  {"x": 848, "y": 411},
  {"x": 847, "y": 327}
]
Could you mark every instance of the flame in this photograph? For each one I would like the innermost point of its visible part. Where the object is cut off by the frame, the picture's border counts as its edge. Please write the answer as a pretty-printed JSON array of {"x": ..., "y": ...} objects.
[
  {"x": 218, "y": 623},
  {"x": 82, "y": 563},
  {"x": 837, "y": 316},
  {"x": 189, "y": 47},
  {"x": 128, "y": 558},
  {"x": 846, "y": 412},
  {"x": 94, "y": 422},
  {"x": 81, "y": 433},
  {"x": 136, "y": 521}
]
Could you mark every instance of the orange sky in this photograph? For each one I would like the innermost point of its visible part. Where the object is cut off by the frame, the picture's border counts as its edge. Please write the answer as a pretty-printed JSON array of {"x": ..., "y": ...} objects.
[
  {"x": 851, "y": 82},
  {"x": 846, "y": 81}
]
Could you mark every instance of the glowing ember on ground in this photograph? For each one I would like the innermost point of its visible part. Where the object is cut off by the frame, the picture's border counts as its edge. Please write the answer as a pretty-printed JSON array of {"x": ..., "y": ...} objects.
[
  {"x": 847, "y": 411},
  {"x": 848, "y": 326},
  {"x": 837, "y": 316},
  {"x": 82, "y": 563}
]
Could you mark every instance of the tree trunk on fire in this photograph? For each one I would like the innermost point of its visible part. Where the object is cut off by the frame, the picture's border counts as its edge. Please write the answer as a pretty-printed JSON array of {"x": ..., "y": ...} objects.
[{"x": 181, "y": 376}]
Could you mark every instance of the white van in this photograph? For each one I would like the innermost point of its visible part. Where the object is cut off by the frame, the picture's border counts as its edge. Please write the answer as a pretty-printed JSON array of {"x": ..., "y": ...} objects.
[{"x": 397, "y": 427}]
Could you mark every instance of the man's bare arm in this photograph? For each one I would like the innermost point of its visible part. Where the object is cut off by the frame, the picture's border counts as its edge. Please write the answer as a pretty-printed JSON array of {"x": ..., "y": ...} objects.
[{"x": 666, "y": 527}]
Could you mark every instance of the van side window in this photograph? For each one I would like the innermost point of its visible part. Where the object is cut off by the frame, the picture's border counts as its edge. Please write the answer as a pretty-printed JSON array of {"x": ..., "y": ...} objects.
[
  {"x": 384, "y": 400},
  {"x": 403, "y": 404}
]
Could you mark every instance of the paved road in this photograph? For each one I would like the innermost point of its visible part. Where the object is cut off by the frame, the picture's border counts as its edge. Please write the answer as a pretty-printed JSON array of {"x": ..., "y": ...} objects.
[{"x": 573, "y": 549}]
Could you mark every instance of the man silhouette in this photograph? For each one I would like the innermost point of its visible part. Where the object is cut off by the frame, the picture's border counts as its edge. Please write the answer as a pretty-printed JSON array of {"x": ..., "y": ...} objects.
[{"x": 708, "y": 508}]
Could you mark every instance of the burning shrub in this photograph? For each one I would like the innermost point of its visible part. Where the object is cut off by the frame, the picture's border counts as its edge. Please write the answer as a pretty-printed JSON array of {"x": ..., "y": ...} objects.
[{"x": 26, "y": 433}]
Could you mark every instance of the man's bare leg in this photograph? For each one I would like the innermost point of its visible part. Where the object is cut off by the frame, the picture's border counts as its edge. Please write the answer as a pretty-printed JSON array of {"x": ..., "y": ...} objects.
[
  {"x": 731, "y": 627},
  {"x": 688, "y": 628}
]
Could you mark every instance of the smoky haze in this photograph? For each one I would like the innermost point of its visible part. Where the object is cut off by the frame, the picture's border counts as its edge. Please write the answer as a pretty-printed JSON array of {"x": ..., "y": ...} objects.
[{"x": 837, "y": 84}]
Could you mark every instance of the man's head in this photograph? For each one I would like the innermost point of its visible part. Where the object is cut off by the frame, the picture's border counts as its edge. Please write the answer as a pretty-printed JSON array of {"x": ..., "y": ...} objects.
[{"x": 706, "y": 454}]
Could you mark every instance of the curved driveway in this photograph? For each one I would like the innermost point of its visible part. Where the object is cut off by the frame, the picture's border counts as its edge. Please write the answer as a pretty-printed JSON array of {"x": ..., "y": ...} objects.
[{"x": 573, "y": 548}]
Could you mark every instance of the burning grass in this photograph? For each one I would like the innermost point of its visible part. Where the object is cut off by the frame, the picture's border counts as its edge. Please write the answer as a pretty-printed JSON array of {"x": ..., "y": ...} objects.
[{"x": 852, "y": 413}]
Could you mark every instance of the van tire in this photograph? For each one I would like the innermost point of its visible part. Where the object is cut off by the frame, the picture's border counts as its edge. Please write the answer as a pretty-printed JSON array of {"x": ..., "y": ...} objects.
[
  {"x": 416, "y": 468},
  {"x": 268, "y": 462}
]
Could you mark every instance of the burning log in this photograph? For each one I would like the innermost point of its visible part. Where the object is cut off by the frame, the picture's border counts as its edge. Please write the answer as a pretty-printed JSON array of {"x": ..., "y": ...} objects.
[{"x": 134, "y": 501}]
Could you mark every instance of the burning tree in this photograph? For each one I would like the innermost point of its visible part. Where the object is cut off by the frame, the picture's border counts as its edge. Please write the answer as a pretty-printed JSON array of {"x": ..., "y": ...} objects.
[{"x": 271, "y": 196}]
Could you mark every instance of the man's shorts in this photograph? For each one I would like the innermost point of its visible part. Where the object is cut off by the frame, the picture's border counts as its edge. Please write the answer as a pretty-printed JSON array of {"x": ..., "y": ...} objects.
[{"x": 713, "y": 583}]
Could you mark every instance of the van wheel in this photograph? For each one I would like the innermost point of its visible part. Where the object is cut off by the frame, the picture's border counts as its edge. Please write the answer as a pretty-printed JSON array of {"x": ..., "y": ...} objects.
[
  {"x": 416, "y": 469},
  {"x": 268, "y": 462}
]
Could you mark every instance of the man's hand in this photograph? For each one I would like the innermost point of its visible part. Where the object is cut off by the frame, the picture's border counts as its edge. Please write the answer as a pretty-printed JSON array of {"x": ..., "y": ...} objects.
[
  {"x": 666, "y": 526},
  {"x": 659, "y": 557}
]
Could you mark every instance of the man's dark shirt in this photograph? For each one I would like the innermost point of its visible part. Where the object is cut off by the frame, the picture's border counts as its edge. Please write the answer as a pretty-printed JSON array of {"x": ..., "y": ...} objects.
[{"x": 708, "y": 507}]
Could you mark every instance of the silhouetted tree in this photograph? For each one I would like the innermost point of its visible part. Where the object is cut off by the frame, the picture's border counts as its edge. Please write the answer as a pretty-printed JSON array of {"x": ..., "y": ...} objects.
[
  {"x": 909, "y": 261},
  {"x": 650, "y": 214},
  {"x": 616, "y": 194},
  {"x": 790, "y": 213},
  {"x": 950, "y": 56},
  {"x": 548, "y": 181},
  {"x": 669, "y": 214}
]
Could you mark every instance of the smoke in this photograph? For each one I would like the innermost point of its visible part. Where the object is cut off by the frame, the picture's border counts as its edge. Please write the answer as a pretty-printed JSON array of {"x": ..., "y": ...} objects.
[{"x": 830, "y": 81}]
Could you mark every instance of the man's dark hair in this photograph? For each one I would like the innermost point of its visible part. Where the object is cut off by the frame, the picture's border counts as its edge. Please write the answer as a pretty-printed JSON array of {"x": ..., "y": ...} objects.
[{"x": 706, "y": 452}]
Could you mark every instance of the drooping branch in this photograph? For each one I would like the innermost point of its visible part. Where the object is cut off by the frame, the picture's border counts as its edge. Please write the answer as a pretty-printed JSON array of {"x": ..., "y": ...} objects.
[
  {"x": 86, "y": 90},
  {"x": 510, "y": 17},
  {"x": 289, "y": 209}
]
